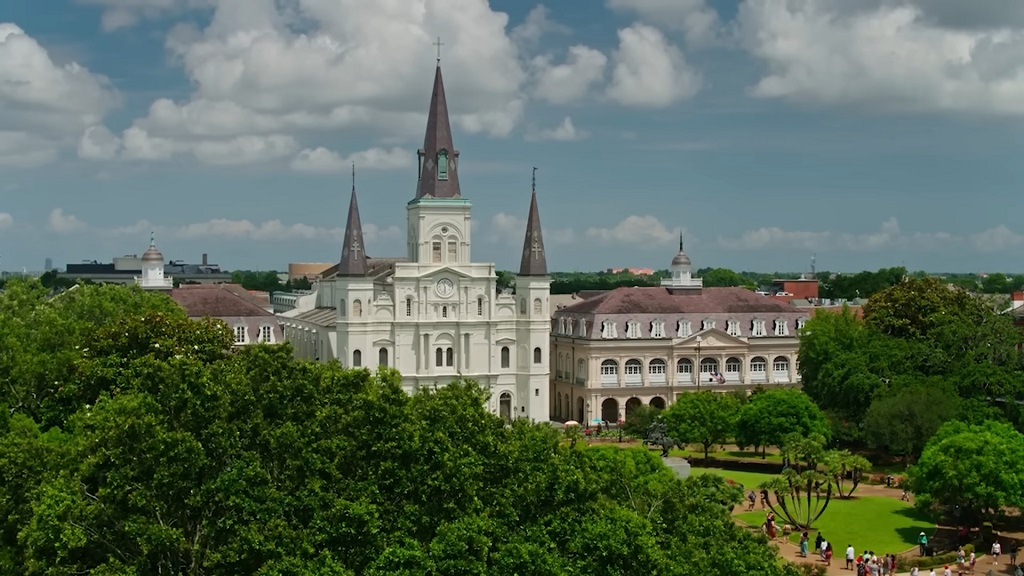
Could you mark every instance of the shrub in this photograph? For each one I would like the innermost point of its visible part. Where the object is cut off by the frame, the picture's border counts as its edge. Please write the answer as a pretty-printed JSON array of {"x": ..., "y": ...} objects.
[
  {"x": 810, "y": 569},
  {"x": 904, "y": 563}
]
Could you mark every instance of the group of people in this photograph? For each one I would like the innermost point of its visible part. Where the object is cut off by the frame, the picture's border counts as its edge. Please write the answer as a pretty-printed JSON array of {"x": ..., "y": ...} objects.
[{"x": 869, "y": 563}]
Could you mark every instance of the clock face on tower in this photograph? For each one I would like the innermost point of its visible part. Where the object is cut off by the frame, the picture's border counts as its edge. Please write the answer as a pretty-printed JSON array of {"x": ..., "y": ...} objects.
[{"x": 445, "y": 287}]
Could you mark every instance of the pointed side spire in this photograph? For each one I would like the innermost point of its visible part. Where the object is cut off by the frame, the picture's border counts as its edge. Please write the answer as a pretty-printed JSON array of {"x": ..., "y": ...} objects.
[
  {"x": 439, "y": 166},
  {"x": 353, "y": 257},
  {"x": 534, "y": 262},
  {"x": 680, "y": 241}
]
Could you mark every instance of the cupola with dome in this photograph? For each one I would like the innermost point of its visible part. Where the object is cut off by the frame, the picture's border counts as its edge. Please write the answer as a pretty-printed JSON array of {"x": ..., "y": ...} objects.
[
  {"x": 682, "y": 279},
  {"x": 153, "y": 269}
]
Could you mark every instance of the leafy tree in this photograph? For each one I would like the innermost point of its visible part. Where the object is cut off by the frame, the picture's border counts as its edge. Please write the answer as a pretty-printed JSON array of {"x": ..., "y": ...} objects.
[
  {"x": 771, "y": 415},
  {"x": 706, "y": 418},
  {"x": 266, "y": 281},
  {"x": 903, "y": 423},
  {"x": 639, "y": 420},
  {"x": 978, "y": 468},
  {"x": 917, "y": 306}
]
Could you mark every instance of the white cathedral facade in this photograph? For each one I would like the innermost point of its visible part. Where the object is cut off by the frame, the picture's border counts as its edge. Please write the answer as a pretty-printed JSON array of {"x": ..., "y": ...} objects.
[{"x": 434, "y": 314}]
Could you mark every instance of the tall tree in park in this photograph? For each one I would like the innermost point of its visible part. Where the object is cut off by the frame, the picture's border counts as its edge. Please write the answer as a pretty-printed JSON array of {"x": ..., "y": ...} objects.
[
  {"x": 973, "y": 469},
  {"x": 902, "y": 423},
  {"x": 771, "y": 415},
  {"x": 170, "y": 453},
  {"x": 706, "y": 418}
]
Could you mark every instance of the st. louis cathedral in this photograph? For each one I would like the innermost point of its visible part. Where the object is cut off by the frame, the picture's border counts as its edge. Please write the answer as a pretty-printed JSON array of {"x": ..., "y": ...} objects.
[{"x": 435, "y": 315}]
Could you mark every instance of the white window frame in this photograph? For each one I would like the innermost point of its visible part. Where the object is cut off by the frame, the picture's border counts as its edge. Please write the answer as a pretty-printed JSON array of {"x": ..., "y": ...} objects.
[
  {"x": 683, "y": 329},
  {"x": 608, "y": 330},
  {"x": 632, "y": 329},
  {"x": 757, "y": 328},
  {"x": 266, "y": 334},
  {"x": 733, "y": 328},
  {"x": 733, "y": 362},
  {"x": 583, "y": 327},
  {"x": 758, "y": 365},
  {"x": 781, "y": 327},
  {"x": 658, "y": 329},
  {"x": 800, "y": 323},
  {"x": 707, "y": 324},
  {"x": 780, "y": 367},
  {"x": 241, "y": 334}
]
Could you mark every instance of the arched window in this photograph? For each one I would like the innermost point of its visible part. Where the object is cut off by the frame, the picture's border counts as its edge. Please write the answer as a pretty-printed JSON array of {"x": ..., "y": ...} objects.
[
  {"x": 382, "y": 357},
  {"x": 656, "y": 370},
  {"x": 439, "y": 357},
  {"x": 449, "y": 357},
  {"x": 733, "y": 367},
  {"x": 536, "y": 355},
  {"x": 479, "y": 305},
  {"x": 505, "y": 406},
  {"x": 408, "y": 306},
  {"x": 538, "y": 306},
  {"x": 444, "y": 311},
  {"x": 634, "y": 371},
  {"x": 442, "y": 165},
  {"x": 758, "y": 369},
  {"x": 609, "y": 373},
  {"x": 505, "y": 357},
  {"x": 357, "y": 358},
  {"x": 357, "y": 308},
  {"x": 780, "y": 365}
]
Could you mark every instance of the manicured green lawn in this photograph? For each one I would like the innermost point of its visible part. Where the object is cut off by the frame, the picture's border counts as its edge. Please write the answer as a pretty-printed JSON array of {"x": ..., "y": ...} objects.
[
  {"x": 749, "y": 480},
  {"x": 882, "y": 525}
]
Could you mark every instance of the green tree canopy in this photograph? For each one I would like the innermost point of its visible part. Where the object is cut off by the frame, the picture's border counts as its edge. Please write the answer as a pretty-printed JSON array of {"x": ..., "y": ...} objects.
[
  {"x": 978, "y": 468},
  {"x": 706, "y": 418},
  {"x": 770, "y": 416}
]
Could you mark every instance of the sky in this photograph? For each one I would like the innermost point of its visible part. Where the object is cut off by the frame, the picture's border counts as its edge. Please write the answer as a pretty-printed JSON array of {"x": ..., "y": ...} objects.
[{"x": 868, "y": 134}]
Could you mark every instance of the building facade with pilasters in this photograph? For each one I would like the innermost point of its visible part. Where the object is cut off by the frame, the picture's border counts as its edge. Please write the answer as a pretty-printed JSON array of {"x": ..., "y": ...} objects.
[{"x": 644, "y": 346}]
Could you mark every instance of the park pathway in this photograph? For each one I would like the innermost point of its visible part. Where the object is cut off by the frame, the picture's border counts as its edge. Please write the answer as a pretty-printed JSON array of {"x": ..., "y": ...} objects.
[{"x": 791, "y": 551}]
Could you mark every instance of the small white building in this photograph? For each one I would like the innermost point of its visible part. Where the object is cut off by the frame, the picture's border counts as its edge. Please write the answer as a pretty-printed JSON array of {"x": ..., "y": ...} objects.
[{"x": 434, "y": 314}]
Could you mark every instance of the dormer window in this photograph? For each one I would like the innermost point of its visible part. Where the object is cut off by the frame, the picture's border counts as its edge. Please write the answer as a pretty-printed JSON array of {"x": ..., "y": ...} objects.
[
  {"x": 442, "y": 165},
  {"x": 683, "y": 329},
  {"x": 658, "y": 329},
  {"x": 632, "y": 329},
  {"x": 781, "y": 327},
  {"x": 707, "y": 324},
  {"x": 608, "y": 329},
  {"x": 733, "y": 328}
]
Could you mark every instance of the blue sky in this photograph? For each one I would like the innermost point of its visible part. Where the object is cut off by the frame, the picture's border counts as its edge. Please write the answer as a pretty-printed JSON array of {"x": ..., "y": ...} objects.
[{"x": 871, "y": 133}]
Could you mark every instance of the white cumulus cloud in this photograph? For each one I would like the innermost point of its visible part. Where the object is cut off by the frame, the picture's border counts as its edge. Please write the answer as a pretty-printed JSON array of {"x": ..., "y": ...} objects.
[
  {"x": 695, "y": 18},
  {"x": 890, "y": 55},
  {"x": 636, "y": 230},
  {"x": 6, "y": 220},
  {"x": 64, "y": 223},
  {"x": 888, "y": 236},
  {"x": 44, "y": 106},
  {"x": 267, "y": 74},
  {"x": 649, "y": 71},
  {"x": 511, "y": 229},
  {"x": 323, "y": 161},
  {"x": 566, "y": 131},
  {"x": 572, "y": 80}
]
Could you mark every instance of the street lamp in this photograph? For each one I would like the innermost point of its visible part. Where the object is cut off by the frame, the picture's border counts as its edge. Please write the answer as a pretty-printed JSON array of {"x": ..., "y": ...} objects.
[{"x": 699, "y": 375}]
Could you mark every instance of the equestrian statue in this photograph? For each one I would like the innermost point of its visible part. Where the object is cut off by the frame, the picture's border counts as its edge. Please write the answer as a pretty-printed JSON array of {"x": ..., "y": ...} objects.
[{"x": 657, "y": 436}]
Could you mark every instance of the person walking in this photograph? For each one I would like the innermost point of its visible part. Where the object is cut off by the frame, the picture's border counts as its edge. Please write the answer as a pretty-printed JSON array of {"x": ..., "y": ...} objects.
[
  {"x": 850, "y": 554},
  {"x": 1013, "y": 553},
  {"x": 997, "y": 549},
  {"x": 922, "y": 543},
  {"x": 804, "y": 540}
]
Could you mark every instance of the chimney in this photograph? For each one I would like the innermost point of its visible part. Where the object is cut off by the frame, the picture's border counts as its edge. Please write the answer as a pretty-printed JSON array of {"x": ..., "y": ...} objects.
[{"x": 206, "y": 260}]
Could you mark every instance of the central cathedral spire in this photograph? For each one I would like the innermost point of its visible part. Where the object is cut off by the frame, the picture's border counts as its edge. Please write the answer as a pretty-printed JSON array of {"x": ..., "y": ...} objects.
[{"x": 438, "y": 159}]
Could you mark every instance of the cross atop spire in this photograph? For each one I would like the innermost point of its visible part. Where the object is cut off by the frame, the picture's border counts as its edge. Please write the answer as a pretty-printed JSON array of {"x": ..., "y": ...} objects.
[
  {"x": 353, "y": 256},
  {"x": 533, "y": 181},
  {"x": 152, "y": 238},
  {"x": 438, "y": 44},
  {"x": 534, "y": 262},
  {"x": 438, "y": 159}
]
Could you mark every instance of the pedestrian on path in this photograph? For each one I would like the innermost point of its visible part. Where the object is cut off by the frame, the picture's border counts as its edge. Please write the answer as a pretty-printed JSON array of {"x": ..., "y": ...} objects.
[
  {"x": 922, "y": 544},
  {"x": 1013, "y": 553},
  {"x": 850, "y": 554},
  {"x": 997, "y": 549}
]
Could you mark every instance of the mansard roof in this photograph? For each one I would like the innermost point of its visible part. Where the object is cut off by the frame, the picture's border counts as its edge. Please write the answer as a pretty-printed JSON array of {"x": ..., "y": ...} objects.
[{"x": 631, "y": 301}]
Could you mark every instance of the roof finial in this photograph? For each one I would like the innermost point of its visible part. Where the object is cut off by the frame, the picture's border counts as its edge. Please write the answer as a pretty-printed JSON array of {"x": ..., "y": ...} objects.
[
  {"x": 438, "y": 44},
  {"x": 680, "y": 240},
  {"x": 152, "y": 238},
  {"x": 533, "y": 181},
  {"x": 353, "y": 176}
]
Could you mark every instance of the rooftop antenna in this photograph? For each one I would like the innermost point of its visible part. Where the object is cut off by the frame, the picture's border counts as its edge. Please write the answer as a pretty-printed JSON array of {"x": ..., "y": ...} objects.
[
  {"x": 533, "y": 181},
  {"x": 680, "y": 241},
  {"x": 438, "y": 44},
  {"x": 814, "y": 258}
]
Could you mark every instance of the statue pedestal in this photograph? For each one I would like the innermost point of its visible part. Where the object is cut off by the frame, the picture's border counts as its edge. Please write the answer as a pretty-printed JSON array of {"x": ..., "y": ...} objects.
[{"x": 679, "y": 465}]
